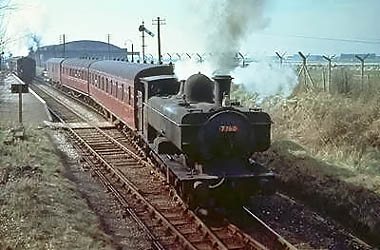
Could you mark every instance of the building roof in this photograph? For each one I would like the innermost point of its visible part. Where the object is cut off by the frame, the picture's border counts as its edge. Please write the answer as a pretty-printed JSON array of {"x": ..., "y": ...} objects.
[{"x": 82, "y": 45}]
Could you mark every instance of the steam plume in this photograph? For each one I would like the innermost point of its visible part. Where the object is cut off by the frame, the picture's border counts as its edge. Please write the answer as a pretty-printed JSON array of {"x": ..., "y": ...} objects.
[
  {"x": 232, "y": 22},
  {"x": 34, "y": 42}
]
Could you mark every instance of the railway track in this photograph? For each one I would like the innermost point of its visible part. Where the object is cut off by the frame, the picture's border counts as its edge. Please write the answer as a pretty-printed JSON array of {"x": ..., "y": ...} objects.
[{"x": 124, "y": 170}]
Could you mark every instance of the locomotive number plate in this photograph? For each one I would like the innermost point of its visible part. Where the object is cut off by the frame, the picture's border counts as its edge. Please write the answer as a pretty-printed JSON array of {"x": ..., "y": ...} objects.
[{"x": 228, "y": 128}]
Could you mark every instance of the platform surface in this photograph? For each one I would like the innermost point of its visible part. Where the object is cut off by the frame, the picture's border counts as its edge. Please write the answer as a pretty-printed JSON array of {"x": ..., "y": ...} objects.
[{"x": 34, "y": 109}]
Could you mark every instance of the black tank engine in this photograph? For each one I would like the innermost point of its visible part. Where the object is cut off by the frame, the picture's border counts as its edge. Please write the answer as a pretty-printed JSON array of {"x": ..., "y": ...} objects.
[{"x": 205, "y": 139}]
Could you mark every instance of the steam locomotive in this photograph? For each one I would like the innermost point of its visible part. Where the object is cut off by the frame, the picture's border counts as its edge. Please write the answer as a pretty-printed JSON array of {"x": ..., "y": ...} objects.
[
  {"x": 26, "y": 69},
  {"x": 202, "y": 139}
]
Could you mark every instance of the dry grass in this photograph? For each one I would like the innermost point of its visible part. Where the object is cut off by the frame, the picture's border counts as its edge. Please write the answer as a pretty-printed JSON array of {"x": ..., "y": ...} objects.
[
  {"x": 340, "y": 129},
  {"x": 326, "y": 152},
  {"x": 337, "y": 128},
  {"x": 39, "y": 208}
]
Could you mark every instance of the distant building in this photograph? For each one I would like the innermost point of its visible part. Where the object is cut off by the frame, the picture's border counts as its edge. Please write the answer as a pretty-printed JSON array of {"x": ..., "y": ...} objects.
[
  {"x": 352, "y": 58},
  {"x": 76, "y": 49}
]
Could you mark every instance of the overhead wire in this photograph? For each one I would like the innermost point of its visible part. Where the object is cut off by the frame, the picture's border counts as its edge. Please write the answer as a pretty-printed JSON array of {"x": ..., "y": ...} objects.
[{"x": 365, "y": 41}]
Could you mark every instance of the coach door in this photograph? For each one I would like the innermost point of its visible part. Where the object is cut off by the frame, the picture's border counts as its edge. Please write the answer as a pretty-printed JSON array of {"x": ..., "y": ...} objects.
[{"x": 140, "y": 112}]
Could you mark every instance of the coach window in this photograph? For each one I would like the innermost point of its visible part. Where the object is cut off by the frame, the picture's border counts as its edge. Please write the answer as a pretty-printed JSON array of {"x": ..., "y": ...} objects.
[
  {"x": 122, "y": 92},
  {"x": 129, "y": 95},
  {"x": 116, "y": 84},
  {"x": 107, "y": 85},
  {"x": 111, "y": 87}
]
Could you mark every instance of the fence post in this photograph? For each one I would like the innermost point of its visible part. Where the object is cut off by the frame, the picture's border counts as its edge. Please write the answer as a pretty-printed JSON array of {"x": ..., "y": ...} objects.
[{"x": 362, "y": 68}]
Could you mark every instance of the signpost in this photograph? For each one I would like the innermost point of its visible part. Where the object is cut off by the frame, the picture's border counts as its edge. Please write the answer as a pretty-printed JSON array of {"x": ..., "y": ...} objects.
[{"x": 20, "y": 89}]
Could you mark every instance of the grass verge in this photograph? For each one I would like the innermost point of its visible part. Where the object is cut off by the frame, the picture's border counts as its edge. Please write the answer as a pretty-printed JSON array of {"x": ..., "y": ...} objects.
[{"x": 39, "y": 208}]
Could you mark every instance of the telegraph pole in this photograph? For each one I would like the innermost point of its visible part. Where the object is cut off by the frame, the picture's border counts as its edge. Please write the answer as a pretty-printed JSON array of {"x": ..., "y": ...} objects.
[
  {"x": 132, "y": 53},
  {"x": 109, "y": 49},
  {"x": 159, "y": 22},
  {"x": 62, "y": 40},
  {"x": 64, "y": 45}
]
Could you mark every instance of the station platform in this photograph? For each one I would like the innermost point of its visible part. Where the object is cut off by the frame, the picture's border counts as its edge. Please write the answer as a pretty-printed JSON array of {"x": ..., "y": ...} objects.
[{"x": 34, "y": 109}]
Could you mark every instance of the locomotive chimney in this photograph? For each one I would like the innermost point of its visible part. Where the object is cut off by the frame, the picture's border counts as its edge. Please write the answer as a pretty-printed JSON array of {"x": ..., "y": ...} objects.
[{"x": 222, "y": 87}]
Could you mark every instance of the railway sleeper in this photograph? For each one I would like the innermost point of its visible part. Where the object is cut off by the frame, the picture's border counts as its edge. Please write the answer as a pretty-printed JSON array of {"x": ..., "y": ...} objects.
[
  {"x": 111, "y": 151},
  {"x": 171, "y": 241}
]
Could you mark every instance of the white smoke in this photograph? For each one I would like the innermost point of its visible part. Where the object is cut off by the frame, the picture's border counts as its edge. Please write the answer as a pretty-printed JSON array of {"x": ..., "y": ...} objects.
[
  {"x": 184, "y": 69},
  {"x": 231, "y": 23},
  {"x": 26, "y": 20},
  {"x": 228, "y": 25},
  {"x": 261, "y": 77},
  {"x": 266, "y": 79}
]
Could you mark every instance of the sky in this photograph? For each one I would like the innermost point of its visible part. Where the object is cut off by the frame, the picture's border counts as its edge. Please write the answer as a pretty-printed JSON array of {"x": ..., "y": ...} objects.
[{"x": 311, "y": 26}]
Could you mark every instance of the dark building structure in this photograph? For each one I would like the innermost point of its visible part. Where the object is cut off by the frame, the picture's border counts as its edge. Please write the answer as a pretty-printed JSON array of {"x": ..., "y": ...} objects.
[
  {"x": 352, "y": 58},
  {"x": 83, "y": 48}
]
